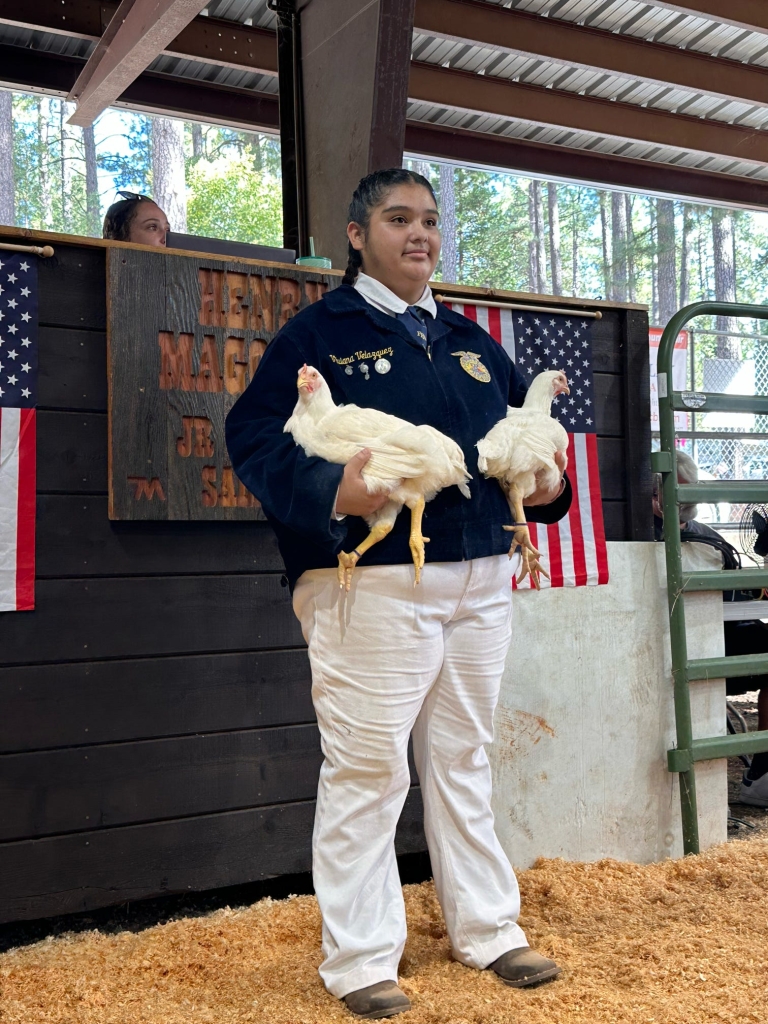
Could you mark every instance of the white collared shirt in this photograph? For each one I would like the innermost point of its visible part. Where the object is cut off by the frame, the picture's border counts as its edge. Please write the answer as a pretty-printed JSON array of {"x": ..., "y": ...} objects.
[{"x": 385, "y": 300}]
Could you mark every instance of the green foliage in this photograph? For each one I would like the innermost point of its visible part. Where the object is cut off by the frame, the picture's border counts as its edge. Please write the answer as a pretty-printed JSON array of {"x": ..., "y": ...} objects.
[
  {"x": 233, "y": 191},
  {"x": 131, "y": 170},
  {"x": 229, "y": 199},
  {"x": 49, "y": 166}
]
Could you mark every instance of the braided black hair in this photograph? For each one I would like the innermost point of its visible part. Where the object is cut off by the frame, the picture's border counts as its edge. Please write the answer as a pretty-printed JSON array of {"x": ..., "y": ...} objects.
[
  {"x": 371, "y": 191},
  {"x": 117, "y": 221}
]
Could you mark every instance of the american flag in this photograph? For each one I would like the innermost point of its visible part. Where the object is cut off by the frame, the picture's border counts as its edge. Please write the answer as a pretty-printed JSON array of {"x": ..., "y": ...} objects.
[
  {"x": 573, "y": 550},
  {"x": 18, "y": 398}
]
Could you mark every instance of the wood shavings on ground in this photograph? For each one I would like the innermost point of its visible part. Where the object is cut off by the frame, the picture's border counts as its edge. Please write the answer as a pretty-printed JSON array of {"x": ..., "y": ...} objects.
[{"x": 681, "y": 942}]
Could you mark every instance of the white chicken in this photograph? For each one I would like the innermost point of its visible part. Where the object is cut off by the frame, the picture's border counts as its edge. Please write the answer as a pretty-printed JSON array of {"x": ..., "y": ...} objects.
[
  {"x": 409, "y": 463},
  {"x": 519, "y": 451}
]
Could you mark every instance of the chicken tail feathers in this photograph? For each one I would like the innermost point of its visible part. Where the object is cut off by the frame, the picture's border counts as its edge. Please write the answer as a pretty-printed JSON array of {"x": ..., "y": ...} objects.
[{"x": 464, "y": 488}]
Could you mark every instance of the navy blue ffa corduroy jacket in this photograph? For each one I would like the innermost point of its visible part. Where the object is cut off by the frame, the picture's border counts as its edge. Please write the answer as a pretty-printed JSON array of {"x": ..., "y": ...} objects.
[{"x": 297, "y": 493}]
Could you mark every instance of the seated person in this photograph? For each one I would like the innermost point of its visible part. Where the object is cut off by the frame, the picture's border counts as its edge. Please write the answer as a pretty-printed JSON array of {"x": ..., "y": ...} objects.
[
  {"x": 136, "y": 218},
  {"x": 748, "y": 637}
]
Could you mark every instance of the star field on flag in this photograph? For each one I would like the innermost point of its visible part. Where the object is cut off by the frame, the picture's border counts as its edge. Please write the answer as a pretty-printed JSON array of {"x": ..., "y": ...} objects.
[
  {"x": 18, "y": 333},
  {"x": 545, "y": 342}
]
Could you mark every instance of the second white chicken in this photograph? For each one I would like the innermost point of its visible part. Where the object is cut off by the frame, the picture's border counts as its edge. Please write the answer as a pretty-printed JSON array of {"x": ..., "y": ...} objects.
[{"x": 519, "y": 451}]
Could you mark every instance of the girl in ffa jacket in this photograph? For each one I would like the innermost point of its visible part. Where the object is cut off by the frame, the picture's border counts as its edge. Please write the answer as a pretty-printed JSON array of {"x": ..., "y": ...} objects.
[{"x": 390, "y": 660}]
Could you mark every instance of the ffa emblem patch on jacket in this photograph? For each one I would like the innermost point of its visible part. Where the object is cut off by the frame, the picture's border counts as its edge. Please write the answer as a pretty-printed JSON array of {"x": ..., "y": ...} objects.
[{"x": 470, "y": 363}]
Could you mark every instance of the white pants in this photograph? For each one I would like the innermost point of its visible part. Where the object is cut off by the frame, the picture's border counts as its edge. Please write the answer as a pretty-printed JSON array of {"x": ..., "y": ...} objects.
[{"x": 388, "y": 659}]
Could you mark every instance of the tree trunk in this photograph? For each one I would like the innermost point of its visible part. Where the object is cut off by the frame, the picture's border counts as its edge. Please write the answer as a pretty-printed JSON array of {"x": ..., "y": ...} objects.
[
  {"x": 422, "y": 167},
  {"x": 197, "y": 140},
  {"x": 631, "y": 283},
  {"x": 725, "y": 281},
  {"x": 45, "y": 185},
  {"x": 539, "y": 237},
  {"x": 168, "y": 171},
  {"x": 619, "y": 246},
  {"x": 92, "y": 204},
  {"x": 7, "y": 184},
  {"x": 665, "y": 221},
  {"x": 555, "y": 260},
  {"x": 607, "y": 291},
  {"x": 575, "y": 208},
  {"x": 654, "y": 263},
  {"x": 533, "y": 249},
  {"x": 448, "y": 221},
  {"x": 685, "y": 255}
]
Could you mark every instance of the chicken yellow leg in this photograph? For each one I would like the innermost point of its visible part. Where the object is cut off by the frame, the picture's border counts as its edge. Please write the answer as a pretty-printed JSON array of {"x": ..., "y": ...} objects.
[
  {"x": 522, "y": 536},
  {"x": 417, "y": 539},
  {"x": 347, "y": 562}
]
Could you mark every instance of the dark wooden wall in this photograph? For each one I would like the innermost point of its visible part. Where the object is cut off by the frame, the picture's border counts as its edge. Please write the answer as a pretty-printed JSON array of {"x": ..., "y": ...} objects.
[{"x": 156, "y": 728}]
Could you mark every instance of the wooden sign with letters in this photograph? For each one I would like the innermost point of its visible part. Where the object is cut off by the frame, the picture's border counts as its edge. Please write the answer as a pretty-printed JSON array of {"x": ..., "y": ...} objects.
[{"x": 185, "y": 335}]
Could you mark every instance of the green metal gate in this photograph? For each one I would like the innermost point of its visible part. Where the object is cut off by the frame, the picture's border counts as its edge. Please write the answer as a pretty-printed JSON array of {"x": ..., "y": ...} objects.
[{"x": 689, "y": 750}]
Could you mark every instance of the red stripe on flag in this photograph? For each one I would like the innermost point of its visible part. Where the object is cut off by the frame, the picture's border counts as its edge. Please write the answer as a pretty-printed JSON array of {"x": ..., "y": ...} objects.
[
  {"x": 25, "y": 529},
  {"x": 470, "y": 312},
  {"x": 597, "y": 508},
  {"x": 574, "y": 517},
  {"x": 494, "y": 324},
  {"x": 555, "y": 567}
]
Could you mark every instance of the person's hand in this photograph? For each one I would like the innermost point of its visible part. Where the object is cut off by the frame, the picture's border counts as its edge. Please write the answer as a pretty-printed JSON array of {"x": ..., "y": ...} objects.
[
  {"x": 353, "y": 498},
  {"x": 542, "y": 496}
]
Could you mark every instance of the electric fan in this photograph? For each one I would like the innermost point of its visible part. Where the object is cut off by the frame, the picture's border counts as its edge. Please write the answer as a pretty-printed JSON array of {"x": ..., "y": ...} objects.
[{"x": 753, "y": 532}]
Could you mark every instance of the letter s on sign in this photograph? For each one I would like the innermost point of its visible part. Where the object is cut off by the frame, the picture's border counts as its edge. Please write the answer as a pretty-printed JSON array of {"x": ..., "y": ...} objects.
[{"x": 210, "y": 494}]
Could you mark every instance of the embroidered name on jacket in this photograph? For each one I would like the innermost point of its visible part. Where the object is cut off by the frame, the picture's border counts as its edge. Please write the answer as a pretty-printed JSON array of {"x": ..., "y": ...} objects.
[{"x": 345, "y": 360}]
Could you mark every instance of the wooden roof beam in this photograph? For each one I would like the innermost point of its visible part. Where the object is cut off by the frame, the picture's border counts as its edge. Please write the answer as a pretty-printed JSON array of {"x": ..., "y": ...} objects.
[
  {"x": 138, "y": 32},
  {"x": 567, "y": 43},
  {"x": 483, "y": 94}
]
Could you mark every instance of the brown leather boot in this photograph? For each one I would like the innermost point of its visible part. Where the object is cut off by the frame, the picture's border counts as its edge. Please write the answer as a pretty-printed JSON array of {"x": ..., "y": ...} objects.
[
  {"x": 384, "y": 999},
  {"x": 523, "y": 967}
]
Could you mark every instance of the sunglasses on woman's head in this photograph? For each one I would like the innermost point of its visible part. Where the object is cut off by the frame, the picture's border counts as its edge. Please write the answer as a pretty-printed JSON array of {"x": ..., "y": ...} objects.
[{"x": 132, "y": 195}]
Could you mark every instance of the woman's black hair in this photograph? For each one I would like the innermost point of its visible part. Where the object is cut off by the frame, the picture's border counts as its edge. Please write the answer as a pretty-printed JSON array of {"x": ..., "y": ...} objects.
[
  {"x": 117, "y": 222},
  {"x": 369, "y": 193}
]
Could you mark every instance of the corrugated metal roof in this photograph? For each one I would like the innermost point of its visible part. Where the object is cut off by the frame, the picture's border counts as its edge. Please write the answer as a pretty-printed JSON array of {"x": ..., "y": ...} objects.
[
  {"x": 49, "y": 42},
  {"x": 247, "y": 12},
  {"x": 570, "y": 139},
  {"x": 654, "y": 23},
  {"x": 633, "y": 17},
  {"x": 587, "y": 82}
]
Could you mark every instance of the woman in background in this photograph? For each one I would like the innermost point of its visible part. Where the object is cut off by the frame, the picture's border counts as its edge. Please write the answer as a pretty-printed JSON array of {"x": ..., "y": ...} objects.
[{"x": 136, "y": 218}]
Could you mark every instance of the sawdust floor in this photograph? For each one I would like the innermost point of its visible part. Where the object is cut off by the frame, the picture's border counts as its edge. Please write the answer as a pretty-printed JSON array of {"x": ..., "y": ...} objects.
[{"x": 681, "y": 942}]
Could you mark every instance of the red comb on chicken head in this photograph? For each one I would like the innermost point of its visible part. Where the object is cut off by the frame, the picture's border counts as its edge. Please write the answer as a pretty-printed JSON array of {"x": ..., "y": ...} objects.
[{"x": 309, "y": 379}]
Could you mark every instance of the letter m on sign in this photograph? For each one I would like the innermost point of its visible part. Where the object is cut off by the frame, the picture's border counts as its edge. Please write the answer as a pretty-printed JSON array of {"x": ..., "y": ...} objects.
[
  {"x": 143, "y": 488},
  {"x": 175, "y": 361}
]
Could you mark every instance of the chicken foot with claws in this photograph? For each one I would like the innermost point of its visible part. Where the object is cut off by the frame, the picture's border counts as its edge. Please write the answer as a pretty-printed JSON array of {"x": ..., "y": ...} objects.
[
  {"x": 529, "y": 566},
  {"x": 380, "y": 529},
  {"x": 417, "y": 539}
]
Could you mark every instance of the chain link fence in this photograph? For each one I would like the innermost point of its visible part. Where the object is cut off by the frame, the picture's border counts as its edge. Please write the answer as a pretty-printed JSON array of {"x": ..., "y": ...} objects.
[{"x": 727, "y": 446}]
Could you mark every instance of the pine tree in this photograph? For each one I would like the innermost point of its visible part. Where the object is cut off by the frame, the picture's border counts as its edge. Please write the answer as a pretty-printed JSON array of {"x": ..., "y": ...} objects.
[
  {"x": 619, "y": 247},
  {"x": 667, "y": 262},
  {"x": 448, "y": 222},
  {"x": 7, "y": 182},
  {"x": 169, "y": 188},
  {"x": 725, "y": 281},
  {"x": 555, "y": 260}
]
